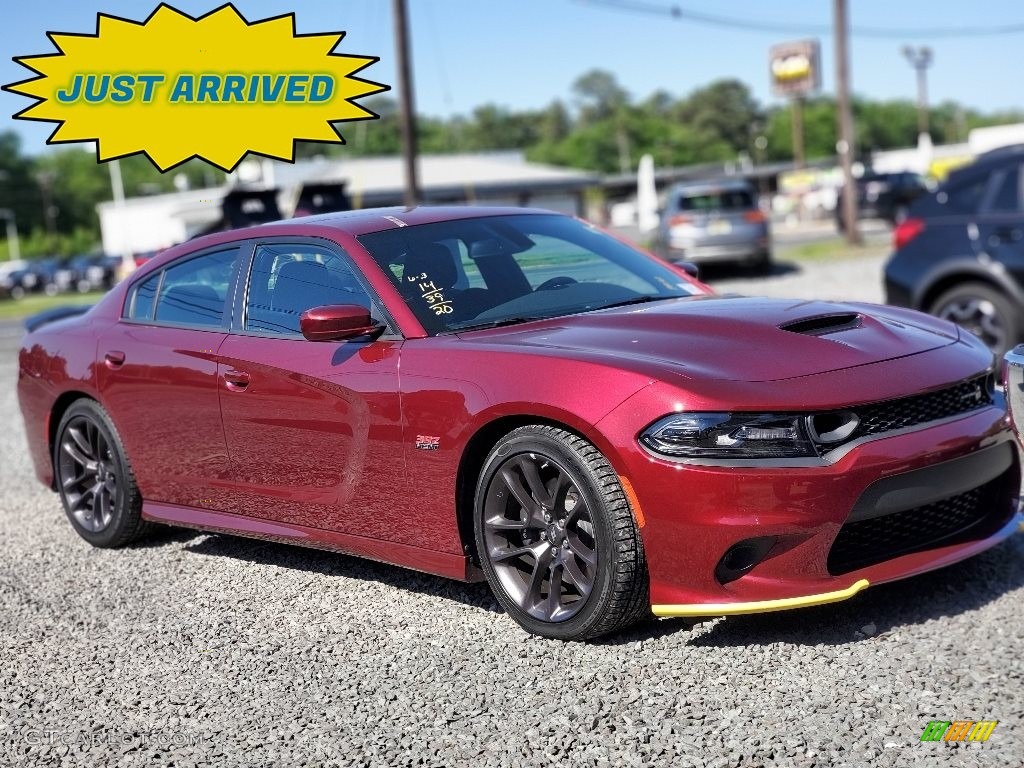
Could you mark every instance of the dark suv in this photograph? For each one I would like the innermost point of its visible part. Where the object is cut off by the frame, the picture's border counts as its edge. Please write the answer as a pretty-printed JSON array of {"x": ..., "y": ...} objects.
[
  {"x": 886, "y": 196},
  {"x": 960, "y": 252}
]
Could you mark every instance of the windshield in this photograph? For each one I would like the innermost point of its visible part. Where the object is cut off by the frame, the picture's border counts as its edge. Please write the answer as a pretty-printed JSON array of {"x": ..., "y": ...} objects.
[{"x": 497, "y": 270}]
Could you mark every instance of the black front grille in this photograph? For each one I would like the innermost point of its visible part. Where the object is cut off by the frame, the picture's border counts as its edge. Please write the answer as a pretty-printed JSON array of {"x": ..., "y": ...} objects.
[
  {"x": 971, "y": 515},
  {"x": 919, "y": 409}
]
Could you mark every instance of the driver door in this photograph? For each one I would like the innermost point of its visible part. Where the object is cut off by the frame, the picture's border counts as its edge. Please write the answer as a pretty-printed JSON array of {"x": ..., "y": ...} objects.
[{"x": 313, "y": 429}]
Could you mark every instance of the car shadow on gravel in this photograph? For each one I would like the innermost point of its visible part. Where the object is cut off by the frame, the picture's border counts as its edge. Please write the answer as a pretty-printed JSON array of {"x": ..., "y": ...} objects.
[
  {"x": 710, "y": 273},
  {"x": 336, "y": 564},
  {"x": 161, "y": 535},
  {"x": 951, "y": 591}
]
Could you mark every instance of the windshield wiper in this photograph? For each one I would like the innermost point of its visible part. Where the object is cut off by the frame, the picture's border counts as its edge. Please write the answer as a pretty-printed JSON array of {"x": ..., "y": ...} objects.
[
  {"x": 635, "y": 300},
  {"x": 471, "y": 326}
]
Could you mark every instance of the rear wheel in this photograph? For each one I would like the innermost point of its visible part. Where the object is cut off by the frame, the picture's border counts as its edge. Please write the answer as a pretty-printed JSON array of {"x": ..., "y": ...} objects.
[
  {"x": 556, "y": 538},
  {"x": 95, "y": 479},
  {"x": 762, "y": 265},
  {"x": 985, "y": 311}
]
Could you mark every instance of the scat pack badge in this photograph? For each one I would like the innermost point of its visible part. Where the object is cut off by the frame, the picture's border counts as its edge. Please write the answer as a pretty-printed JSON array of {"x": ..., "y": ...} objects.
[
  {"x": 176, "y": 87},
  {"x": 428, "y": 442}
]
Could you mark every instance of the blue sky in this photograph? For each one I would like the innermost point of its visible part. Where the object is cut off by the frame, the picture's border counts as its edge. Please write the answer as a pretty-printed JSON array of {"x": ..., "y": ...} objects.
[{"x": 524, "y": 53}]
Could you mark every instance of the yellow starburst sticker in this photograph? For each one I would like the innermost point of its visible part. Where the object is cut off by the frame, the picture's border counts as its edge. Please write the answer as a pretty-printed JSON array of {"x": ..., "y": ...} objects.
[{"x": 176, "y": 87}]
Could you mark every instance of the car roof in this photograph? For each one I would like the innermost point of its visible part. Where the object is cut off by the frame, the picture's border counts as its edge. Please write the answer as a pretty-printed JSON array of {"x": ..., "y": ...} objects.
[
  {"x": 356, "y": 223},
  {"x": 985, "y": 163},
  {"x": 710, "y": 185},
  {"x": 368, "y": 220}
]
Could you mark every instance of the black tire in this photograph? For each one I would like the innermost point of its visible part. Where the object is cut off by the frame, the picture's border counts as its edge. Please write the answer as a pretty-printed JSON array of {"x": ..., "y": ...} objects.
[
  {"x": 94, "y": 478},
  {"x": 983, "y": 310},
  {"x": 584, "y": 505},
  {"x": 763, "y": 264}
]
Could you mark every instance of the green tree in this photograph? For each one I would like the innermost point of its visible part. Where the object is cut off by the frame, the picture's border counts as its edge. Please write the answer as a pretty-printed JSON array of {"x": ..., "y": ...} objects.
[
  {"x": 598, "y": 95},
  {"x": 724, "y": 109},
  {"x": 19, "y": 191}
]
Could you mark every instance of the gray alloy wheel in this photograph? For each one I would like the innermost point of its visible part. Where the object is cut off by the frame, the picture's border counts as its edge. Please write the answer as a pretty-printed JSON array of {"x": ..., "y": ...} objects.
[
  {"x": 95, "y": 479},
  {"x": 984, "y": 311},
  {"x": 556, "y": 538}
]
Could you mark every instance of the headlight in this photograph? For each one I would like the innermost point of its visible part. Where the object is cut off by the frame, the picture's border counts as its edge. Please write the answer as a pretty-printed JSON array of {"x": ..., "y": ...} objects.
[{"x": 730, "y": 436}]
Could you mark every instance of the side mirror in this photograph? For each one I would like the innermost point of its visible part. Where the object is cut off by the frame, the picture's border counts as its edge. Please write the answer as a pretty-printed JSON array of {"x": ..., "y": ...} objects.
[
  {"x": 337, "y": 322},
  {"x": 689, "y": 268}
]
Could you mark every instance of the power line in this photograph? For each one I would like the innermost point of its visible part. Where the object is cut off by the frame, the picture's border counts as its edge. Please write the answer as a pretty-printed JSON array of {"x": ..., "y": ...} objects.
[{"x": 682, "y": 14}]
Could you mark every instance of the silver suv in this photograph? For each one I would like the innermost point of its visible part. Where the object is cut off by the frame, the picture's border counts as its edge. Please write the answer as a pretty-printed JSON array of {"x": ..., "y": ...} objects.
[{"x": 714, "y": 221}]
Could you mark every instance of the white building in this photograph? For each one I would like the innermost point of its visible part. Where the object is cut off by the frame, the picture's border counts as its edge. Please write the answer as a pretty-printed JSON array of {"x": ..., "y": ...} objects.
[{"x": 143, "y": 224}]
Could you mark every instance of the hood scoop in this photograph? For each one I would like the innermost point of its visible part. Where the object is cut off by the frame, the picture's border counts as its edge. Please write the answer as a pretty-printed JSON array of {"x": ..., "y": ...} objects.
[{"x": 820, "y": 325}]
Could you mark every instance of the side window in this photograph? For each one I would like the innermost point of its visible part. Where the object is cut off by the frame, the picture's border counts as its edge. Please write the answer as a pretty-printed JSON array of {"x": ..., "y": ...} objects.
[
  {"x": 1007, "y": 196},
  {"x": 194, "y": 292},
  {"x": 140, "y": 304},
  {"x": 286, "y": 280},
  {"x": 966, "y": 197}
]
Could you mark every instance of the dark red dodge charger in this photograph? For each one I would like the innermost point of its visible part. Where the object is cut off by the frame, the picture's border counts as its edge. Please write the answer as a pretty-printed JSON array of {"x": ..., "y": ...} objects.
[{"x": 518, "y": 396}]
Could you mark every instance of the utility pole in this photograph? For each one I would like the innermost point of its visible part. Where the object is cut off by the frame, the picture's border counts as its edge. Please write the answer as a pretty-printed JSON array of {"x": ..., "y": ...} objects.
[
  {"x": 406, "y": 108},
  {"x": 845, "y": 119},
  {"x": 798, "y": 132},
  {"x": 920, "y": 59}
]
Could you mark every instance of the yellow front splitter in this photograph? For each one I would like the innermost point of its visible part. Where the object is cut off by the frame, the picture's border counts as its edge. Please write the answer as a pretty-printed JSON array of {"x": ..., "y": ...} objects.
[{"x": 760, "y": 606}]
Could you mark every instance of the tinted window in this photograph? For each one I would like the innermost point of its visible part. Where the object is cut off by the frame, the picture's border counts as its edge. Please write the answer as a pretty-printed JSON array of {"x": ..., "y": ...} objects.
[
  {"x": 966, "y": 197},
  {"x": 725, "y": 200},
  {"x": 140, "y": 305},
  {"x": 286, "y": 280},
  {"x": 523, "y": 267},
  {"x": 194, "y": 292},
  {"x": 1007, "y": 197}
]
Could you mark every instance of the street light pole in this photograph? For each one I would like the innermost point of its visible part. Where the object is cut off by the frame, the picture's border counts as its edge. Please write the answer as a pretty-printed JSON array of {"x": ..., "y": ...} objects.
[{"x": 920, "y": 59}]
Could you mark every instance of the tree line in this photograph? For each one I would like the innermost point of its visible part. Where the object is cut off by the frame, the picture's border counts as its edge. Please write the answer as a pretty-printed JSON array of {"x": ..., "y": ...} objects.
[{"x": 599, "y": 127}]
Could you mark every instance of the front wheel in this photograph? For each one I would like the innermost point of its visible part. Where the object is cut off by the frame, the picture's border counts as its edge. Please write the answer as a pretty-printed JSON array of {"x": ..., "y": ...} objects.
[
  {"x": 556, "y": 537},
  {"x": 95, "y": 479}
]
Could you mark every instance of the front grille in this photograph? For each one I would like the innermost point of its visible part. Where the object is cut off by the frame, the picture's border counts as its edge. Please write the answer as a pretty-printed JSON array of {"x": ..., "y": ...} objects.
[
  {"x": 919, "y": 409},
  {"x": 971, "y": 515}
]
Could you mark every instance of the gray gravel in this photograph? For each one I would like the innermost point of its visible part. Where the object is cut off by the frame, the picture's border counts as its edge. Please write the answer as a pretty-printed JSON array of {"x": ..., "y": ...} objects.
[
  {"x": 196, "y": 649},
  {"x": 851, "y": 279}
]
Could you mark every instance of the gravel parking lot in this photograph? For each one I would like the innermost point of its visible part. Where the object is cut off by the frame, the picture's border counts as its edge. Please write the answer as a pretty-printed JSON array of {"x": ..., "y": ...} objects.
[
  {"x": 192, "y": 649},
  {"x": 855, "y": 279}
]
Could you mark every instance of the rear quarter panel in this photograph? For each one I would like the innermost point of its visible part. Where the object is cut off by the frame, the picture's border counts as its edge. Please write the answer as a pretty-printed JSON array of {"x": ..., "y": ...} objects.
[{"x": 57, "y": 359}]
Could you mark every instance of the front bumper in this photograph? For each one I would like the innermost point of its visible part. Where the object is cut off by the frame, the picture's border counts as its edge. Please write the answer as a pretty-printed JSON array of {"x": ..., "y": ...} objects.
[{"x": 694, "y": 515}]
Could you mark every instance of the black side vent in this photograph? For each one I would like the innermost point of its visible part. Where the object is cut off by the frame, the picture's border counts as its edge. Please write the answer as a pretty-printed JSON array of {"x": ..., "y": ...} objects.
[{"x": 822, "y": 324}]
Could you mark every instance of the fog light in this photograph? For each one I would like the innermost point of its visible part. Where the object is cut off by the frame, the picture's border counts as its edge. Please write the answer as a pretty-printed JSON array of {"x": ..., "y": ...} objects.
[{"x": 741, "y": 557}]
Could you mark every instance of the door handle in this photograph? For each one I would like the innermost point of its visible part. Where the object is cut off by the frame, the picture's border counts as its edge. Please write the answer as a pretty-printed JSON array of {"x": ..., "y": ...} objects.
[
  {"x": 236, "y": 380},
  {"x": 114, "y": 359}
]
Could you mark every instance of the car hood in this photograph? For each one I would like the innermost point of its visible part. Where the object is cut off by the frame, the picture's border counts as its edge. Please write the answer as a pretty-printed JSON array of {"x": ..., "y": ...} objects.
[{"x": 736, "y": 338}]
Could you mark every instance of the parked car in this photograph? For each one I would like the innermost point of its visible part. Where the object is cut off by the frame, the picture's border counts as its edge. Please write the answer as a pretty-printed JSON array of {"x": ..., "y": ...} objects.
[
  {"x": 94, "y": 271},
  {"x": 1013, "y": 386},
  {"x": 886, "y": 196},
  {"x": 7, "y": 282},
  {"x": 36, "y": 277},
  {"x": 960, "y": 254},
  {"x": 714, "y": 221},
  {"x": 585, "y": 426}
]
